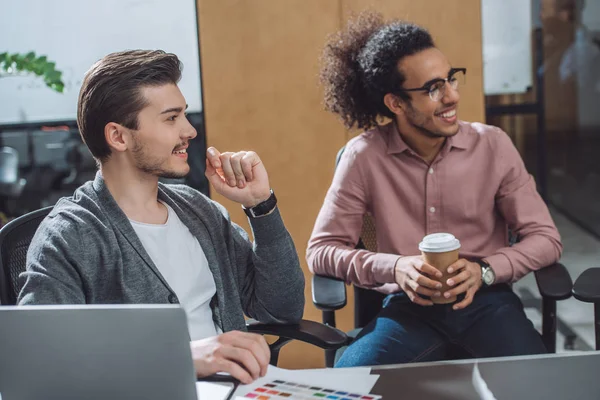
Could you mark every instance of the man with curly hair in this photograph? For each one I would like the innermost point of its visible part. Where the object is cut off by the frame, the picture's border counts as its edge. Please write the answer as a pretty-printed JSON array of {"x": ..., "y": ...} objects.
[{"x": 423, "y": 172}]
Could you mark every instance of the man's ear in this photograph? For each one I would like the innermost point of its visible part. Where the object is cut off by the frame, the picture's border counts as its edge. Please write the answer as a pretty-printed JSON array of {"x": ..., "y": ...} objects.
[
  {"x": 394, "y": 104},
  {"x": 117, "y": 136}
]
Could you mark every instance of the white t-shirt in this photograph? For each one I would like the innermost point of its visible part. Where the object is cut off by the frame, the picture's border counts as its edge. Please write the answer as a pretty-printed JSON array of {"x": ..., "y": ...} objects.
[{"x": 182, "y": 262}]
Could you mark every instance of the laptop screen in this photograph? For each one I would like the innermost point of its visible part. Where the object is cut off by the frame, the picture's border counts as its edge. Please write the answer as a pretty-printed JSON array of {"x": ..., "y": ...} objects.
[{"x": 95, "y": 352}]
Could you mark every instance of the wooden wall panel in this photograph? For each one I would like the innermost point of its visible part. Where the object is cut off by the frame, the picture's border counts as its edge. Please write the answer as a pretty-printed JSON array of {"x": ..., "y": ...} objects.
[
  {"x": 260, "y": 78},
  {"x": 260, "y": 81}
]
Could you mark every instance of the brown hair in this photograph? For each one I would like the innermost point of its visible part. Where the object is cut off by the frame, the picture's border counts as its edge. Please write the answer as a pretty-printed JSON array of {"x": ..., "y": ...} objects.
[{"x": 111, "y": 92}]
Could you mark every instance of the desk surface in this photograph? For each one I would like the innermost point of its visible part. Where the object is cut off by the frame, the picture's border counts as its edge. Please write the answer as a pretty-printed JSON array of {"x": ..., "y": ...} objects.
[{"x": 556, "y": 376}]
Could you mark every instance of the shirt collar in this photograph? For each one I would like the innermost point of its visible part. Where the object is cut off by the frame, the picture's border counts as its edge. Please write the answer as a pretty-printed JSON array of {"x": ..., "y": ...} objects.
[
  {"x": 397, "y": 145},
  {"x": 462, "y": 140}
]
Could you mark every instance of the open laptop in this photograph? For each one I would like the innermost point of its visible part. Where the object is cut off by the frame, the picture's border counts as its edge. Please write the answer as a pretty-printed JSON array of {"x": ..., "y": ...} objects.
[{"x": 95, "y": 352}]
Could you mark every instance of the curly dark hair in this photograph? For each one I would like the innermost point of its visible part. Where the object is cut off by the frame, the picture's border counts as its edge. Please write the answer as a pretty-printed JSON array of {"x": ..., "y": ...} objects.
[{"x": 359, "y": 66}]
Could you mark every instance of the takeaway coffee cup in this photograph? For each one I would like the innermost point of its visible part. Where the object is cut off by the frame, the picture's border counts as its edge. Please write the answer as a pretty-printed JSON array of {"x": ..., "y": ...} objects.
[{"x": 440, "y": 250}]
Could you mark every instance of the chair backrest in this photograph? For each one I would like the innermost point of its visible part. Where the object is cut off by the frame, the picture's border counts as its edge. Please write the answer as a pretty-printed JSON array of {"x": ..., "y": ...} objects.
[
  {"x": 367, "y": 302},
  {"x": 15, "y": 238}
]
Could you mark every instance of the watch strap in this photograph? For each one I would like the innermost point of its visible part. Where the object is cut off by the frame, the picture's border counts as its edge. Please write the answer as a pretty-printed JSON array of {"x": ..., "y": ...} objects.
[
  {"x": 263, "y": 208},
  {"x": 485, "y": 267}
]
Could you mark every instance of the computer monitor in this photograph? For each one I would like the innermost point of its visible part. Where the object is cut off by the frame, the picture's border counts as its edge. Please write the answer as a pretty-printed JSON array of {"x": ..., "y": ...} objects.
[{"x": 95, "y": 352}]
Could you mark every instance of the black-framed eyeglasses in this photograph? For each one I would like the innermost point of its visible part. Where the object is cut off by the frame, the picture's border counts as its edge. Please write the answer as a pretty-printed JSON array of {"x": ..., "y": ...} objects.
[{"x": 436, "y": 88}]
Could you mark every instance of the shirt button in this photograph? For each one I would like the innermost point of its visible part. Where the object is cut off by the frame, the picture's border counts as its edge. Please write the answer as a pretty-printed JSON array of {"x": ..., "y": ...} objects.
[
  {"x": 172, "y": 299},
  {"x": 432, "y": 209},
  {"x": 430, "y": 171}
]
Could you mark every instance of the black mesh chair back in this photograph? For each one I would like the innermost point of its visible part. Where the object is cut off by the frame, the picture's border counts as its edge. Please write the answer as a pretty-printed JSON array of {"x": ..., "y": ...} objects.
[
  {"x": 367, "y": 302},
  {"x": 15, "y": 238}
]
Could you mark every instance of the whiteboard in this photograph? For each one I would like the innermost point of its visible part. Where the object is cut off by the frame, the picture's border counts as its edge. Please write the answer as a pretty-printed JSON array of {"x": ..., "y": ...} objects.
[
  {"x": 507, "y": 52},
  {"x": 76, "y": 33}
]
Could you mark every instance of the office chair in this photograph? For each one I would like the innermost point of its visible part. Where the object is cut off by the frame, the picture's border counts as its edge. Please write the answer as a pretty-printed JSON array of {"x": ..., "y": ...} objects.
[
  {"x": 329, "y": 294},
  {"x": 587, "y": 289},
  {"x": 16, "y": 236}
]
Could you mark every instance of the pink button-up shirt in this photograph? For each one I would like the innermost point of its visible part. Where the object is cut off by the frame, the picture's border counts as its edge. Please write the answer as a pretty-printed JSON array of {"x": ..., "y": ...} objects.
[{"x": 476, "y": 188}]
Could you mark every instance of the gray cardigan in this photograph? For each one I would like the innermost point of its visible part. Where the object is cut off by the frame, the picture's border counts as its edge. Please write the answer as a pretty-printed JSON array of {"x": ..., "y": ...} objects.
[{"x": 86, "y": 252}]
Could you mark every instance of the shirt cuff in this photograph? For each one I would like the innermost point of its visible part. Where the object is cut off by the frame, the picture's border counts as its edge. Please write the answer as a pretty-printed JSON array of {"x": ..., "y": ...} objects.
[
  {"x": 383, "y": 267},
  {"x": 501, "y": 266}
]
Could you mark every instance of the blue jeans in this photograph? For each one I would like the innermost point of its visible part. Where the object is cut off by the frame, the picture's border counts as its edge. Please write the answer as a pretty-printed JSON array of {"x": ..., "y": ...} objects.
[{"x": 493, "y": 325}]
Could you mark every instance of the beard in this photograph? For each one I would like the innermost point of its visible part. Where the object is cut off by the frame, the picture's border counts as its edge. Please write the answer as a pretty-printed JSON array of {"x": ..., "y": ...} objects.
[
  {"x": 153, "y": 165},
  {"x": 420, "y": 121}
]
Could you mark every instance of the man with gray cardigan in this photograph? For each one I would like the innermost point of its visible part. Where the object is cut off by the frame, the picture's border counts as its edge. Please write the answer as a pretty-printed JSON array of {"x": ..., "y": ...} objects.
[{"x": 126, "y": 238}]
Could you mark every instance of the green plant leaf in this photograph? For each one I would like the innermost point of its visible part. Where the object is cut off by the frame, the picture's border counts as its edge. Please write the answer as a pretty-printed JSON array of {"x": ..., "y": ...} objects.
[
  {"x": 58, "y": 86},
  {"x": 40, "y": 66},
  {"x": 49, "y": 67},
  {"x": 21, "y": 62},
  {"x": 52, "y": 75},
  {"x": 7, "y": 62},
  {"x": 3, "y": 63}
]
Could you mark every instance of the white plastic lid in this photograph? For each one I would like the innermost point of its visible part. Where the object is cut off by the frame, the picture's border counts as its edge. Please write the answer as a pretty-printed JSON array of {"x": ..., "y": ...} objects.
[{"x": 439, "y": 243}]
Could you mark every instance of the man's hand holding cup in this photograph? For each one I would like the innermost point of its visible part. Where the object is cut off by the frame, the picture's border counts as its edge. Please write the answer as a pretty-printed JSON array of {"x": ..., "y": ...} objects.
[
  {"x": 417, "y": 279},
  {"x": 467, "y": 280}
]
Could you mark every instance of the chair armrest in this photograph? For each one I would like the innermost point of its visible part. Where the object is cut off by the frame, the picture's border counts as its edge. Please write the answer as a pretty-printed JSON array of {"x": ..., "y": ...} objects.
[
  {"x": 554, "y": 282},
  {"x": 328, "y": 294},
  {"x": 587, "y": 286},
  {"x": 312, "y": 332}
]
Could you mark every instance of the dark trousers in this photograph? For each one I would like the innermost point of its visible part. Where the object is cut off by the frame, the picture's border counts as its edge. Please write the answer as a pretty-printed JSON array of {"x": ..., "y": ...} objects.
[{"x": 493, "y": 325}]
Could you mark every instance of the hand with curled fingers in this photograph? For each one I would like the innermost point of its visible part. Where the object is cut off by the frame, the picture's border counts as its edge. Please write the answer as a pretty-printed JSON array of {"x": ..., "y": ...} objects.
[
  {"x": 417, "y": 279},
  {"x": 240, "y": 177},
  {"x": 467, "y": 280},
  {"x": 243, "y": 355}
]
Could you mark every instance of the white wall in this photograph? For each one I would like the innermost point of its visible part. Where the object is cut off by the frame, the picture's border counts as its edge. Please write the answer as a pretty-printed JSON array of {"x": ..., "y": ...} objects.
[{"x": 76, "y": 33}]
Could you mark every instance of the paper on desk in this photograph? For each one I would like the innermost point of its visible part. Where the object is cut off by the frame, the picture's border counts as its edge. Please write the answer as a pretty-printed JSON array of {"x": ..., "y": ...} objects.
[
  {"x": 212, "y": 390},
  {"x": 480, "y": 386},
  {"x": 357, "y": 380}
]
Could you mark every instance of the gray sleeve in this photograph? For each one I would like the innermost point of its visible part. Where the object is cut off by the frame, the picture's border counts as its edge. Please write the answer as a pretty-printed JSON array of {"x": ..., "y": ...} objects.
[
  {"x": 52, "y": 274},
  {"x": 269, "y": 272}
]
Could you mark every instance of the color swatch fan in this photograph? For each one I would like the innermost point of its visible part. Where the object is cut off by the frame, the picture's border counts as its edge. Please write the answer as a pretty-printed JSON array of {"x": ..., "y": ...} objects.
[{"x": 279, "y": 390}]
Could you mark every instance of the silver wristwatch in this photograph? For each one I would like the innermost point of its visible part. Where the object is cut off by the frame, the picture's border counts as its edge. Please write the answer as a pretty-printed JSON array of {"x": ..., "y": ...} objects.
[{"x": 488, "y": 276}]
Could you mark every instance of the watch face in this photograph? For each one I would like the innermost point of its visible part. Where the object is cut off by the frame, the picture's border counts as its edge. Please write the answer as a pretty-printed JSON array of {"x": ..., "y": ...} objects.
[{"x": 488, "y": 276}]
